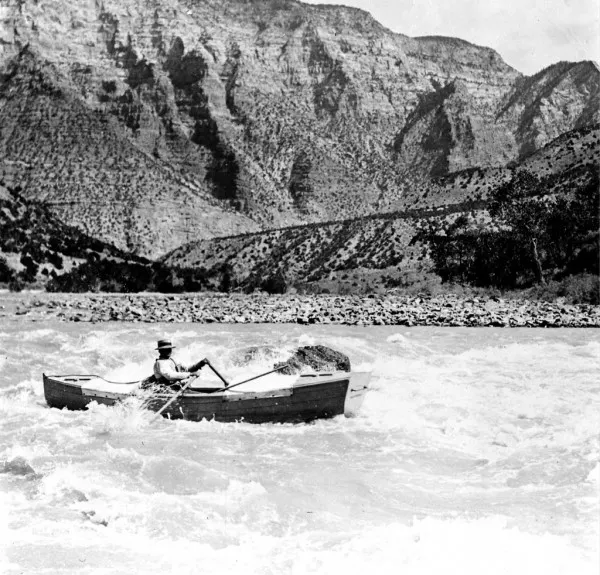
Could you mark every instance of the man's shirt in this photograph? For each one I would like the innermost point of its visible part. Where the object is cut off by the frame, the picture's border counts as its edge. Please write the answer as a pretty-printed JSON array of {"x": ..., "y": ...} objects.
[{"x": 170, "y": 370}]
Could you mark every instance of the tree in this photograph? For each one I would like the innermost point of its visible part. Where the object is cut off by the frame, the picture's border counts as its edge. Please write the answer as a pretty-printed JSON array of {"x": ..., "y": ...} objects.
[
  {"x": 31, "y": 268},
  {"x": 227, "y": 278},
  {"x": 6, "y": 272},
  {"x": 574, "y": 225},
  {"x": 275, "y": 284},
  {"x": 467, "y": 251},
  {"x": 541, "y": 229},
  {"x": 519, "y": 207}
]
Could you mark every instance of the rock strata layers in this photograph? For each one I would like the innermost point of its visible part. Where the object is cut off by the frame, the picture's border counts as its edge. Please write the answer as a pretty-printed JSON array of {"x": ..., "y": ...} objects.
[
  {"x": 389, "y": 309},
  {"x": 153, "y": 123}
]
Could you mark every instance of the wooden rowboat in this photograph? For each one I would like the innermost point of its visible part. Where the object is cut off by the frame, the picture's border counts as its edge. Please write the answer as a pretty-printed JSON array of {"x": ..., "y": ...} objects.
[{"x": 311, "y": 397}]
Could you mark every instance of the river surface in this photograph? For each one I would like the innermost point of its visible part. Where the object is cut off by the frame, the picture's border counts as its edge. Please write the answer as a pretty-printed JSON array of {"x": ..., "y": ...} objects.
[{"x": 476, "y": 451}]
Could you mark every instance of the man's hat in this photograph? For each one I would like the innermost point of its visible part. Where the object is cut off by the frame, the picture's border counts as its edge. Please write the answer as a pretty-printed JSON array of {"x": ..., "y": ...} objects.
[{"x": 164, "y": 344}]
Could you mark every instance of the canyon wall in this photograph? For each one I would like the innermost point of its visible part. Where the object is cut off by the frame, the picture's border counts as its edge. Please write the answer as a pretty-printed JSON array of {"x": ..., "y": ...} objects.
[{"x": 153, "y": 123}]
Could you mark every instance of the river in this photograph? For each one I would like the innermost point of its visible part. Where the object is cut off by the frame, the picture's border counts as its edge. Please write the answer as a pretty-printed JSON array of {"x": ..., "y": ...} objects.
[{"x": 476, "y": 451}]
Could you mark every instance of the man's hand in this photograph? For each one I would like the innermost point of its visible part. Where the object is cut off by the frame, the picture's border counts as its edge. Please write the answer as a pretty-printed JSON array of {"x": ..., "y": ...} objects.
[{"x": 201, "y": 364}]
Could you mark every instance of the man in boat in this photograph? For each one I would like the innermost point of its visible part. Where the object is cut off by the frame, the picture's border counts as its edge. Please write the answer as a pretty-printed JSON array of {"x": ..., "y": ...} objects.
[{"x": 169, "y": 372}]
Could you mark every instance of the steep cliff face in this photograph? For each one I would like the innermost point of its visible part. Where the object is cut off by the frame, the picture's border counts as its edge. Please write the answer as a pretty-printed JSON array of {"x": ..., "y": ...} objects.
[
  {"x": 55, "y": 149},
  {"x": 178, "y": 115},
  {"x": 557, "y": 99}
]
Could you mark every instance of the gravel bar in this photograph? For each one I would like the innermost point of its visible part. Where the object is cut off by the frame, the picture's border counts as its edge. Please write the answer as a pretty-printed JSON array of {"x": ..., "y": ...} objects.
[{"x": 389, "y": 309}]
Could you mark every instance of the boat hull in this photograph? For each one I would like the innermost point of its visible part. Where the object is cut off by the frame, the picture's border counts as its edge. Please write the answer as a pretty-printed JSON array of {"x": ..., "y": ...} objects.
[{"x": 311, "y": 397}]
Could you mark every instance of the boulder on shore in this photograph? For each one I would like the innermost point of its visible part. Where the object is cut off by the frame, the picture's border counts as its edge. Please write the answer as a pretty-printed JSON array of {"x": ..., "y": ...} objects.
[{"x": 316, "y": 357}]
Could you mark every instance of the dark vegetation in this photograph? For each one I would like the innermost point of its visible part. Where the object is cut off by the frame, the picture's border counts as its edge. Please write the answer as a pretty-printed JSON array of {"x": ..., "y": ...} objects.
[
  {"x": 127, "y": 276},
  {"x": 41, "y": 243},
  {"x": 535, "y": 239},
  {"x": 45, "y": 248}
]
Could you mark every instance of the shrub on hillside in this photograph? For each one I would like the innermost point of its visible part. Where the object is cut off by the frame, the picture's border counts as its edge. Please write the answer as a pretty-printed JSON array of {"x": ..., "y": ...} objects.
[
  {"x": 31, "y": 268},
  {"x": 114, "y": 276},
  {"x": 276, "y": 284},
  {"x": 16, "y": 285}
]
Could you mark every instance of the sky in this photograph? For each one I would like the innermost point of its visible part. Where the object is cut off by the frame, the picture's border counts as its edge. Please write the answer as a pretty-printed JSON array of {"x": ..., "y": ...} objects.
[{"x": 528, "y": 34}]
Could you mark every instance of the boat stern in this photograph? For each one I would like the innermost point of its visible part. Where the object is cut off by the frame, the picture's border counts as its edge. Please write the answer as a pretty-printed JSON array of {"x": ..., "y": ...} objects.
[{"x": 357, "y": 389}]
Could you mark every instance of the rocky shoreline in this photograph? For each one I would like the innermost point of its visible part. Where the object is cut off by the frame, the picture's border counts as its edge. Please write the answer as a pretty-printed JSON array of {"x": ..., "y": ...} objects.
[{"x": 390, "y": 309}]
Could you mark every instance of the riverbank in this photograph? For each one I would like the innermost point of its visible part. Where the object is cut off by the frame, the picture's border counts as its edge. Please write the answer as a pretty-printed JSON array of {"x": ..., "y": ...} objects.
[{"x": 391, "y": 309}]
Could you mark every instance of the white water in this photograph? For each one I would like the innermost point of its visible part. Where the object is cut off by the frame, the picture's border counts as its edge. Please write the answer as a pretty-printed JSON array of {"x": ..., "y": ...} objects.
[{"x": 476, "y": 451}]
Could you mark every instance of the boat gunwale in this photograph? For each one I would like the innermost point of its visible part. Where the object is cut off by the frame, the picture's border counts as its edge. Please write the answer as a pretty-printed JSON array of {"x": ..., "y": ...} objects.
[
  {"x": 61, "y": 379},
  {"x": 89, "y": 377}
]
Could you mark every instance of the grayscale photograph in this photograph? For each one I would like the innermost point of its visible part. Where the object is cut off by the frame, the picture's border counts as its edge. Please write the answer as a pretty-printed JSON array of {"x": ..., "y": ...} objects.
[{"x": 299, "y": 288}]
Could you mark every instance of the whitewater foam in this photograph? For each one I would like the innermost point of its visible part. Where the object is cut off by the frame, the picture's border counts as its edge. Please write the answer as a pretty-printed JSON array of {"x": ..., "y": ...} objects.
[{"x": 475, "y": 451}]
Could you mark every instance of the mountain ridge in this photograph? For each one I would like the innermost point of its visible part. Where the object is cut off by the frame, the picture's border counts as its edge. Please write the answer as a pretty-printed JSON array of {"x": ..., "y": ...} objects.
[{"x": 244, "y": 116}]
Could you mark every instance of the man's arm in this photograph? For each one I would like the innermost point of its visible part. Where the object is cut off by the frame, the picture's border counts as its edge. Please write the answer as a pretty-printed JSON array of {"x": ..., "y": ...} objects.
[
  {"x": 199, "y": 365},
  {"x": 166, "y": 368}
]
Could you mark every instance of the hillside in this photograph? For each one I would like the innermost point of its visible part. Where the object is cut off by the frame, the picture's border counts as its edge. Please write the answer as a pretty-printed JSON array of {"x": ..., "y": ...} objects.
[
  {"x": 390, "y": 249},
  {"x": 152, "y": 124},
  {"x": 565, "y": 155},
  {"x": 35, "y": 246}
]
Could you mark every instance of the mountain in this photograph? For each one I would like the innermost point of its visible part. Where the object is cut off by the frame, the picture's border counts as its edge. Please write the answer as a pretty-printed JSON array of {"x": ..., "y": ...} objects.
[
  {"x": 348, "y": 256},
  {"x": 557, "y": 99},
  {"x": 151, "y": 123},
  {"x": 391, "y": 249},
  {"x": 81, "y": 164}
]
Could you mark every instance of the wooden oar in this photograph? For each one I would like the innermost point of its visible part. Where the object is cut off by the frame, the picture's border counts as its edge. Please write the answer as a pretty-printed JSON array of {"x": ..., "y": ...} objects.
[
  {"x": 177, "y": 395},
  {"x": 218, "y": 374},
  {"x": 246, "y": 380}
]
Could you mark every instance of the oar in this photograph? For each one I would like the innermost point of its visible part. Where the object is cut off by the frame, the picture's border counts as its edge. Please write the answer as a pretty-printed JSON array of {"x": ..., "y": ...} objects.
[
  {"x": 178, "y": 394},
  {"x": 218, "y": 374},
  {"x": 246, "y": 380}
]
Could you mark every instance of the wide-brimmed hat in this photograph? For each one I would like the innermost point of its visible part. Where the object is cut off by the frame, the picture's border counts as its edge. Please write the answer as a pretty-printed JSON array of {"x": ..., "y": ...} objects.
[{"x": 164, "y": 344}]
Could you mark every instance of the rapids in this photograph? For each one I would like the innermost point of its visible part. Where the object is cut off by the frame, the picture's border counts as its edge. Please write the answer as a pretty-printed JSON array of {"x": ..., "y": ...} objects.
[{"x": 476, "y": 451}]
